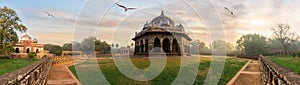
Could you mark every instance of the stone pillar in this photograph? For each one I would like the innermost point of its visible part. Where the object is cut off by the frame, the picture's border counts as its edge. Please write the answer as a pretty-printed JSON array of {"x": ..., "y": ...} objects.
[
  {"x": 150, "y": 44},
  {"x": 161, "y": 45},
  {"x": 171, "y": 45}
]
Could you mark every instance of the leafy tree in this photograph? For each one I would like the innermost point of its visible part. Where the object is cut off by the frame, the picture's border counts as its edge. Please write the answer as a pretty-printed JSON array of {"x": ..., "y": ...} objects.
[
  {"x": 102, "y": 47},
  {"x": 198, "y": 47},
  {"x": 88, "y": 45},
  {"x": 220, "y": 45},
  {"x": 91, "y": 44},
  {"x": 284, "y": 36},
  {"x": 67, "y": 47},
  {"x": 252, "y": 43},
  {"x": 76, "y": 46},
  {"x": 53, "y": 49},
  {"x": 273, "y": 45},
  {"x": 10, "y": 23}
]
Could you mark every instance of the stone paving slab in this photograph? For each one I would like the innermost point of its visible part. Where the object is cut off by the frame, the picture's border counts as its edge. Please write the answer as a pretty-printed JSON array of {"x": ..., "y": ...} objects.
[
  {"x": 248, "y": 75},
  {"x": 60, "y": 75},
  {"x": 248, "y": 79}
]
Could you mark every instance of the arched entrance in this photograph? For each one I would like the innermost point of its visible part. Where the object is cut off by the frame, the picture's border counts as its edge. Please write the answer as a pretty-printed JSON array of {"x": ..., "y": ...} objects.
[
  {"x": 175, "y": 47},
  {"x": 156, "y": 44},
  {"x": 17, "y": 50},
  {"x": 37, "y": 51},
  {"x": 166, "y": 45},
  {"x": 146, "y": 46},
  {"x": 137, "y": 47},
  {"x": 27, "y": 50},
  {"x": 142, "y": 46}
]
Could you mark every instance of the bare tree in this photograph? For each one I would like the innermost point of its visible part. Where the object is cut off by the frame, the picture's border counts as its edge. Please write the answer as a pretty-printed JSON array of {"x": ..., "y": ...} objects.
[{"x": 284, "y": 36}]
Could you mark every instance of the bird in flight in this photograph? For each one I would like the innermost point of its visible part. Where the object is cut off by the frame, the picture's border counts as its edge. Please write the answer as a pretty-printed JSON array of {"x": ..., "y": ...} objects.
[
  {"x": 124, "y": 7},
  {"x": 228, "y": 10},
  {"x": 49, "y": 14}
]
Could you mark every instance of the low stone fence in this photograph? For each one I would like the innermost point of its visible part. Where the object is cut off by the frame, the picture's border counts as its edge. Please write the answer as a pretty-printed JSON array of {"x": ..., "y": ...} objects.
[
  {"x": 24, "y": 55},
  {"x": 33, "y": 74},
  {"x": 273, "y": 74},
  {"x": 255, "y": 57},
  {"x": 61, "y": 59}
]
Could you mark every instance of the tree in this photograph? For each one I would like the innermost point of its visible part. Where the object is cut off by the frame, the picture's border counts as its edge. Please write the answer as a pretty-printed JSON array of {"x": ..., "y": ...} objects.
[
  {"x": 284, "y": 36},
  {"x": 102, "y": 47},
  {"x": 198, "y": 47},
  {"x": 220, "y": 45},
  {"x": 88, "y": 45},
  {"x": 53, "y": 49},
  {"x": 252, "y": 44},
  {"x": 76, "y": 46},
  {"x": 67, "y": 47},
  {"x": 10, "y": 23},
  {"x": 92, "y": 44}
]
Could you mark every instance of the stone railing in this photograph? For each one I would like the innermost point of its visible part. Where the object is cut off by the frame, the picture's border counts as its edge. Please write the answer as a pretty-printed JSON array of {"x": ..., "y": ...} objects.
[
  {"x": 33, "y": 74},
  {"x": 273, "y": 74}
]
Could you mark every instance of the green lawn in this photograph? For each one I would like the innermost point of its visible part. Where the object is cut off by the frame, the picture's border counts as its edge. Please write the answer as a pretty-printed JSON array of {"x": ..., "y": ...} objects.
[
  {"x": 292, "y": 64},
  {"x": 170, "y": 72},
  {"x": 10, "y": 65}
]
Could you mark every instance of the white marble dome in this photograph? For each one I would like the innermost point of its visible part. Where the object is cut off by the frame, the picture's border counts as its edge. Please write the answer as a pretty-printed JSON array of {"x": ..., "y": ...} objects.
[
  {"x": 162, "y": 21},
  {"x": 26, "y": 37}
]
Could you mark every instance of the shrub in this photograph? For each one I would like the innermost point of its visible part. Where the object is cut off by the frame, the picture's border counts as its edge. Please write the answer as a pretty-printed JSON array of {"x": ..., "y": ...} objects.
[
  {"x": 298, "y": 54},
  {"x": 31, "y": 55},
  {"x": 294, "y": 55}
]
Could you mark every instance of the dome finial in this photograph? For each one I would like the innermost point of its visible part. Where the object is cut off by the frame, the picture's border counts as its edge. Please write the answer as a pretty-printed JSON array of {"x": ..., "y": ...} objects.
[{"x": 162, "y": 12}]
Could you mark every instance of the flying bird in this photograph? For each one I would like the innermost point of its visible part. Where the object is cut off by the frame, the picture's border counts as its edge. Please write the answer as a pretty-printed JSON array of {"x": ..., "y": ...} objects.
[
  {"x": 124, "y": 7},
  {"x": 228, "y": 10},
  {"x": 49, "y": 14}
]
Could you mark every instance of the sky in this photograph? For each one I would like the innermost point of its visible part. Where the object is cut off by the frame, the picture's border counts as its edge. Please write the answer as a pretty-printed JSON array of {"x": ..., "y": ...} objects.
[{"x": 204, "y": 20}]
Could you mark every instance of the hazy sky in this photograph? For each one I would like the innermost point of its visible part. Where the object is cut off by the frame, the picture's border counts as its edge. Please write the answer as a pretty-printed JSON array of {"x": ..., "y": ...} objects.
[{"x": 202, "y": 19}]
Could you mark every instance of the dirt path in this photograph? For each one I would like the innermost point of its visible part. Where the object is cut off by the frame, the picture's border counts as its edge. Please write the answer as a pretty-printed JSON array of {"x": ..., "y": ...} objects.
[
  {"x": 248, "y": 75},
  {"x": 60, "y": 75}
]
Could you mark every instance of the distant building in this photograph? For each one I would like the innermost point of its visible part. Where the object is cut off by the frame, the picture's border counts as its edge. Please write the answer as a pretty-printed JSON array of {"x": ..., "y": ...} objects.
[
  {"x": 27, "y": 45},
  {"x": 162, "y": 34},
  {"x": 124, "y": 50}
]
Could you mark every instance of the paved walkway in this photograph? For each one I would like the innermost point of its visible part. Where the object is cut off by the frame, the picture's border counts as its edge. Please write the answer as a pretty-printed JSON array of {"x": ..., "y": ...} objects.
[
  {"x": 60, "y": 75},
  {"x": 248, "y": 75}
]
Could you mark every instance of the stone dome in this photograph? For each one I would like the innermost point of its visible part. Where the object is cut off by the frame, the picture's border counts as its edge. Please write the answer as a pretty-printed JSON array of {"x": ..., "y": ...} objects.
[
  {"x": 162, "y": 21},
  {"x": 26, "y": 37},
  {"x": 146, "y": 25}
]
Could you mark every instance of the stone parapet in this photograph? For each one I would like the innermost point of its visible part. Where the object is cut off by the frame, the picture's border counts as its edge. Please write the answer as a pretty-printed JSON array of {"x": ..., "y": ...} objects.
[
  {"x": 273, "y": 74},
  {"x": 33, "y": 74}
]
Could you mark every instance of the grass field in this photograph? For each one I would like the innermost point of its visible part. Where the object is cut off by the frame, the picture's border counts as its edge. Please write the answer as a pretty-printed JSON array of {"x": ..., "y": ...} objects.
[
  {"x": 169, "y": 73},
  {"x": 10, "y": 65},
  {"x": 288, "y": 62}
]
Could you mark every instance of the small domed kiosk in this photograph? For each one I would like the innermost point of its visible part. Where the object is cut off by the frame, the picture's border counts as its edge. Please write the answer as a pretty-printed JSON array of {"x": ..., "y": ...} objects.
[
  {"x": 27, "y": 44},
  {"x": 163, "y": 35}
]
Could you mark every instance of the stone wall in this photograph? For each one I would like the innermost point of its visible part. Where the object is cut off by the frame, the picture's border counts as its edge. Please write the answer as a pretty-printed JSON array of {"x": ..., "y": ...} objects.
[
  {"x": 33, "y": 74},
  {"x": 273, "y": 74}
]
